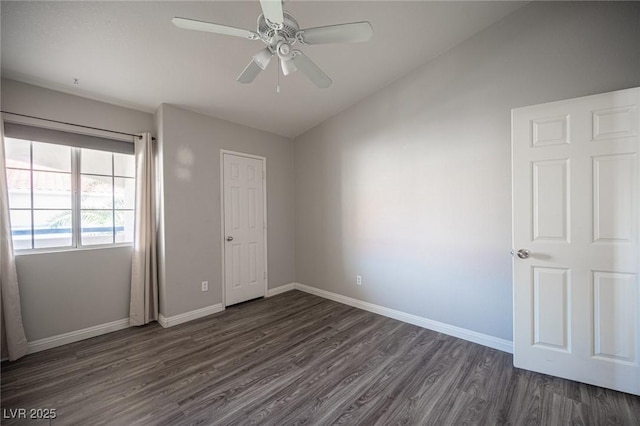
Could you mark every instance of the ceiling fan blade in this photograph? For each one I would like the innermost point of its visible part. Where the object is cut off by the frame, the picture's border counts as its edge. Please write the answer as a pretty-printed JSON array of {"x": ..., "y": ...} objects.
[
  {"x": 341, "y": 33},
  {"x": 311, "y": 70},
  {"x": 192, "y": 24},
  {"x": 272, "y": 10},
  {"x": 249, "y": 73}
]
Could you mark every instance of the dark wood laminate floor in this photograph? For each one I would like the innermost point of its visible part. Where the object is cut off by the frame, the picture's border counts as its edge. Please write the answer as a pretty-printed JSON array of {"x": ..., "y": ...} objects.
[{"x": 297, "y": 359}]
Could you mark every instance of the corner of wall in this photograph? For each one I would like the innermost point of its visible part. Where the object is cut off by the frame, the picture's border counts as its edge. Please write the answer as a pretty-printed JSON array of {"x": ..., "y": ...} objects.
[{"x": 158, "y": 128}]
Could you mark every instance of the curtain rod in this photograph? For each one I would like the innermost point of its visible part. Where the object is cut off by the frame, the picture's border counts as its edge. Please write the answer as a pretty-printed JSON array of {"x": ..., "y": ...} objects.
[{"x": 73, "y": 124}]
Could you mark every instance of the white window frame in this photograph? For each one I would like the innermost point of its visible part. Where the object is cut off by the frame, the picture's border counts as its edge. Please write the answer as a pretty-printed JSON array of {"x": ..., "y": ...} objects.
[{"x": 76, "y": 225}]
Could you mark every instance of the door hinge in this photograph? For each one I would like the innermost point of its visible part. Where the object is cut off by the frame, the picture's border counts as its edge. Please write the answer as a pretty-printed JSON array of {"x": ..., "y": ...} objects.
[{"x": 265, "y": 275}]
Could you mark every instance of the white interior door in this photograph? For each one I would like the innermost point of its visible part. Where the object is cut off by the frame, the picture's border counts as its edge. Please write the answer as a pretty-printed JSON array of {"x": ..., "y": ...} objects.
[
  {"x": 244, "y": 228},
  {"x": 576, "y": 230}
]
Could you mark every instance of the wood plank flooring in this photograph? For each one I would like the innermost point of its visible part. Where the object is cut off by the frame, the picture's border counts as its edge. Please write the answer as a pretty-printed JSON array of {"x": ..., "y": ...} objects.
[{"x": 297, "y": 359}]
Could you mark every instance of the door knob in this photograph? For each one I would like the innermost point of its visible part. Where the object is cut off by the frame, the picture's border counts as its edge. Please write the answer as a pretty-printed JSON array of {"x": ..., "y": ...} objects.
[
  {"x": 523, "y": 253},
  {"x": 229, "y": 238}
]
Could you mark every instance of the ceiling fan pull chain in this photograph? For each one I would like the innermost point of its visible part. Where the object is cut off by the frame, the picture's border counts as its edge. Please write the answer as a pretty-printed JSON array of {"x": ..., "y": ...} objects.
[{"x": 278, "y": 85}]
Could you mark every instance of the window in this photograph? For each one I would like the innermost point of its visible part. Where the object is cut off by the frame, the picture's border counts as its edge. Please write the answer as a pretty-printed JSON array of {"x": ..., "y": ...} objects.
[
  {"x": 65, "y": 196},
  {"x": 108, "y": 197}
]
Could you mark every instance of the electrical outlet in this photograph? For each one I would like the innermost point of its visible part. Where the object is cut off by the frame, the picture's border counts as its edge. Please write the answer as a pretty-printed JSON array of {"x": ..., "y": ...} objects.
[
  {"x": 359, "y": 279},
  {"x": 205, "y": 285}
]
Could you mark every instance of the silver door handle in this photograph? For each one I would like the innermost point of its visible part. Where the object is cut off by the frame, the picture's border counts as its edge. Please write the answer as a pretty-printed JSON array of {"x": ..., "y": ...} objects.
[
  {"x": 229, "y": 238},
  {"x": 523, "y": 253}
]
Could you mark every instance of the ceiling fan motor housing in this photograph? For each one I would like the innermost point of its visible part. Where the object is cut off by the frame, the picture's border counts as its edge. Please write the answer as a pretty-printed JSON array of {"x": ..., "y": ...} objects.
[{"x": 289, "y": 28}]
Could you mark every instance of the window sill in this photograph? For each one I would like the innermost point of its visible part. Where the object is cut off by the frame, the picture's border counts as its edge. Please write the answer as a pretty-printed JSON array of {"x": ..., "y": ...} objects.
[{"x": 55, "y": 250}]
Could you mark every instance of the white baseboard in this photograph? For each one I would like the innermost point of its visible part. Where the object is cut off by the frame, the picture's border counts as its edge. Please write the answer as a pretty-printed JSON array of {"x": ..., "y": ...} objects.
[
  {"x": 440, "y": 327},
  {"x": 76, "y": 336},
  {"x": 462, "y": 333},
  {"x": 281, "y": 289},
  {"x": 189, "y": 316}
]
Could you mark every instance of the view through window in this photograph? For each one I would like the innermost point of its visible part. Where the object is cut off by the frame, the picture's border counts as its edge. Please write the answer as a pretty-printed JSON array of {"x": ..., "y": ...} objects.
[{"x": 62, "y": 196}]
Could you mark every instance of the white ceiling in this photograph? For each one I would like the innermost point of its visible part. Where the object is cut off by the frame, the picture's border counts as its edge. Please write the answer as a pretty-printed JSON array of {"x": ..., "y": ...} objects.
[{"x": 130, "y": 54}]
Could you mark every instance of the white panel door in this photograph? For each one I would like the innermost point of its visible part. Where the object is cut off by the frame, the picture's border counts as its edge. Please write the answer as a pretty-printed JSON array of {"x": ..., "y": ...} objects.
[
  {"x": 576, "y": 184},
  {"x": 244, "y": 228}
]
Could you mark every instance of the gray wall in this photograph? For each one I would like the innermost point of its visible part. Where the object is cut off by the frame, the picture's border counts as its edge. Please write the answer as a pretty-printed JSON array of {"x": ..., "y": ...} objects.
[
  {"x": 411, "y": 187},
  {"x": 33, "y": 100},
  {"x": 67, "y": 291},
  {"x": 72, "y": 290},
  {"x": 190, "y": 145}
]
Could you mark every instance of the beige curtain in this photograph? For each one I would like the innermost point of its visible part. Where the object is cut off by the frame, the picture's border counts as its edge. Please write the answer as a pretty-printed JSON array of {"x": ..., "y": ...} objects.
[
  {"x": 144, "y": 271},
  {"x": 14, "y": 342}
]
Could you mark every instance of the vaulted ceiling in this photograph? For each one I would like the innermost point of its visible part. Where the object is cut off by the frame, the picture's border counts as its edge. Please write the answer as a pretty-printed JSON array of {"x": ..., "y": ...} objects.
[{"x": 129, "y": 53}]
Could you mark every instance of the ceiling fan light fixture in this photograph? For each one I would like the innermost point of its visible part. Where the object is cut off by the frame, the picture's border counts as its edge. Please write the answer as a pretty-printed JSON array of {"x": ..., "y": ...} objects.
[
  {"x": 288, "y": 66},
  {"x": 263, "y": 57},
  {"x": 279, "y": 30}
]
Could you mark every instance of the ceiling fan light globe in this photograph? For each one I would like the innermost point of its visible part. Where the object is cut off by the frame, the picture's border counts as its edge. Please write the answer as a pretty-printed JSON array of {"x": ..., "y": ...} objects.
[
  {"x": 263, "y": 57},
  {"x": 288, "y": 67}
]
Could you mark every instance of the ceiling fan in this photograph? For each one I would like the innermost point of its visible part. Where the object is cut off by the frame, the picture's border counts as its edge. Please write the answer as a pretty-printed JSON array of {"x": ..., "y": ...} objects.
[{"x": 279, "y": 30}]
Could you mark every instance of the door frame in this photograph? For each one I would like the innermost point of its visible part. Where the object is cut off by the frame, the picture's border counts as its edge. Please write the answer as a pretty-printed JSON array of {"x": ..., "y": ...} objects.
[{"x": 222, "y": 221}]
